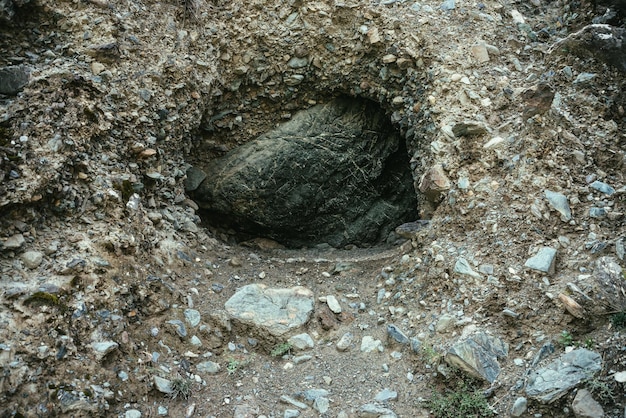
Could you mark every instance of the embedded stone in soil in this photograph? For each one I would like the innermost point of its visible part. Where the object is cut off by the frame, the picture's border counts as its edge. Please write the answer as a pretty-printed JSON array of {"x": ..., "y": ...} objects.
[{"x": 336, "y": 173}]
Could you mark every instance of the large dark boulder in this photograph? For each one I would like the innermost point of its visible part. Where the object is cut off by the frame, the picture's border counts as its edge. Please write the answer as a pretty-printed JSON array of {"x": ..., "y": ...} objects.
[{"x": 336, "y": 173}]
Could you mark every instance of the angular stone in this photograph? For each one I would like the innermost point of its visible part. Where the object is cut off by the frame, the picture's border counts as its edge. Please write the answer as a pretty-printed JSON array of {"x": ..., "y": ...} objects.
[
  {"x": 371, "y": 410},
  {"x": 312, "y": 394},
  {"x": 13, "y": 79},
  {"x": 553, "y": 381},
  {"x": 272, "y": 312},
  {"x": 195, "y": 177},
  {"x": 14, "y": 242},
  {"x": 559, "y": 202},
  {"x": 193, "y": 317},
  {"x": 584, "y": 406},
  {"x": 333, "y": 304},
  {"x": 478, "y": 356},
  {"x": 602, "y": 187},
  {"x": 434, "y": 182},
  {"x": 608, "y": 285},
  {"x": 209, "y": 367},
  {"x": 102, "y": 348},
  {"x": 396, "y": 334},
  {"x": 163, "y": 385},
  {"x": 32, "y": 259},
  {"x": 132, "y": 413},
  {"x": 321, "y": 405},
  {"x": 519, "y": 407},
  {"x": 444, "y": 323},
  {"x": 462, "y": 267},
  {"x": 369, "y": 344},
  {"x": 296, "y": 62},
  {"x": 345, "y": 341},
  {"x": 179, "y": 327},
  {"x": 386, "y": 395},
  {"x": 301, "y": 341},
  {"x": 543, "y": 261},
  {"x": 335, "y": 173},
  {"x": 291, "y": 413},
  {"x": 291, "y": 401},
  {"x": 469, "y": 129}
]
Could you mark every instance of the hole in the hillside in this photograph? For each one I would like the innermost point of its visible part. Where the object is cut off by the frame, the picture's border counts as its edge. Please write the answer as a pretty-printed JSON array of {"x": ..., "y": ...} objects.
[{"x": 336, "y": 173}]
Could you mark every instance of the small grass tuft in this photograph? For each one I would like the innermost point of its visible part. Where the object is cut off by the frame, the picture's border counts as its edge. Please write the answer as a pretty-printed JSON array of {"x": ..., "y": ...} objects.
[
  {"x": 463, "y": 402},
  {"x": 280, "y": 350},
  {"x": 619, "y": 320},
  {"x": 565, "y": 339},
  {"x": 234, "y": 365},
  {"x": 181, "y": 387}
]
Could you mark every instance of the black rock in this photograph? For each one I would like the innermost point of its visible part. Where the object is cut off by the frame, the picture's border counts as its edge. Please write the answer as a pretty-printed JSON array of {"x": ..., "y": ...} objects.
[{"x": 336, "y": 173}]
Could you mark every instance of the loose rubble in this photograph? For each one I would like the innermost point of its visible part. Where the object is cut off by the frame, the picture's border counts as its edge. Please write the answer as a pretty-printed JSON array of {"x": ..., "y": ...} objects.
[{"x": 123, "y": 296}]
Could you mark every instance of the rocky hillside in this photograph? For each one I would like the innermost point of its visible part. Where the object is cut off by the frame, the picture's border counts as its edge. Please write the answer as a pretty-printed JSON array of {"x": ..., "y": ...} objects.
[{"x": 129, "y": 289}]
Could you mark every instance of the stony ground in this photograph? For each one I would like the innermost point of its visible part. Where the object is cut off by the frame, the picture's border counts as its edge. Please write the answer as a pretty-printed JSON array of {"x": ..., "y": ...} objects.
[{"x": 102, "y": 252}]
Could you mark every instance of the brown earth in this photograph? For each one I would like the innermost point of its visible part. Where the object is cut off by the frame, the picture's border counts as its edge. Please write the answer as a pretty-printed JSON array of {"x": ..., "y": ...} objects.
[{"x": 124, "y": 96}]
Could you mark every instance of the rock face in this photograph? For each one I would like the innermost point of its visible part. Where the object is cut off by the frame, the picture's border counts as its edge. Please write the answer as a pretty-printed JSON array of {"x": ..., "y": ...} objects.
[
  {"x": 335, "y": 173},
  {"x": 551, "y": 382},
  {"x": 478, "y": 356}
]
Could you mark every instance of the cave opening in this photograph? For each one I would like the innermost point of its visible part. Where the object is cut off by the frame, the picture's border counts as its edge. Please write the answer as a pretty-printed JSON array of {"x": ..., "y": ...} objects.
[{"x": 336, "y": 173}]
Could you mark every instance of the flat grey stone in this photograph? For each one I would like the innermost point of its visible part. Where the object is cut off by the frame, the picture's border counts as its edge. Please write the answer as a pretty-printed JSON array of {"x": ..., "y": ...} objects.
[
  {"x": 371, "y": 410},
  {"x": 462, "y": 267},
  {"x": 444, "y": 323},
  {"x": 559, "y": 202},
  {"x": 32, "y": 259},
  {"x": 543, "y": 261},
  {"x": 369, "y": 344},
  {"x": 602, "y": 187},
  {"x": 209, "y": 367},
  {"x": 301, "y": 341},
  {"x": 478, "y": 356},
  {"x": 597, "y": 213},
  {"x": 14, "y": 242},
  {"x": 321, "y": 404},
  {"x": 553, "y": 381},
  {"x": 584, "y": 406},
  {"x": 291, "y": 413},
  {"x": 301, "y": 359},
  {"x": 396, "y": 334},
  {"x": 272, "y": 312},
  {"x": 519, "y": 407},
  {"x": 193, "y": 317},
  {"x": 102, "y": 348},
  {"x": 345, "y": 341},
  {"x": 296, "y": 62},
  {"x": 132, "y": 413},
  {"x": 179, "y": 327},
  {"x": 163, "y": 385},
  {"x": 386, "y": 395},
  {"x": 313, "y": 394},
  {"x": 291, "y": 401}
]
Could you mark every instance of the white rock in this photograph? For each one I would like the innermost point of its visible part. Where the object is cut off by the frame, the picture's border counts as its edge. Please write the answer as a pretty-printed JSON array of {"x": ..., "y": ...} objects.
[
  {"x": 333, "y": 304},
  {"x": 132, "y": 413},
  {"x": 369, "y": 344}
]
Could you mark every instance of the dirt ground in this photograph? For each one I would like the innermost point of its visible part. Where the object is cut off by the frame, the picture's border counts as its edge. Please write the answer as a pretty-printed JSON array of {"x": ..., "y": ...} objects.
[{"x": 124, "y": 96}]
